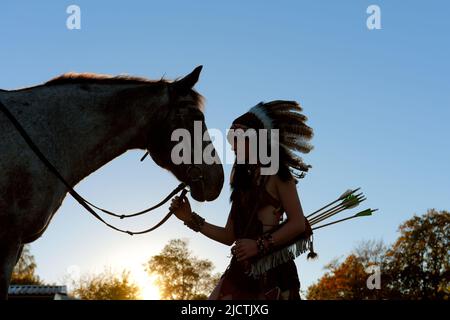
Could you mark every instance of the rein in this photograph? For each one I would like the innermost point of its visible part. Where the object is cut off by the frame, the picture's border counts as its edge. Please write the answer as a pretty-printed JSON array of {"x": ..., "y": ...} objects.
[{"x": 83, "y": 202}]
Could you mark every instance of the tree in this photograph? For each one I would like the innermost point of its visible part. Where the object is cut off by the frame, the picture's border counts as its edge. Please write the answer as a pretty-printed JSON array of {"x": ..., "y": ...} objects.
[
  {"x": 180, "y": 275},
  {"x": 25, "y": 270},
  {"x": 348, "y": 280},
  {"x": 106, "y": 286},
  {"x": 418, "y": 264}
]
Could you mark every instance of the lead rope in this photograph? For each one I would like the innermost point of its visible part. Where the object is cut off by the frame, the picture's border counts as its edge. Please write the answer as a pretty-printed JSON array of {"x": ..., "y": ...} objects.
[
  {"x": 180, "y": 187},
  {"x": 78, "y": 197}
]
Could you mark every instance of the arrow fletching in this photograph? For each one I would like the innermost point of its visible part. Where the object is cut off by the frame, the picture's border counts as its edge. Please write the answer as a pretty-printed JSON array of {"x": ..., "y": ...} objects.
[
  {"x": 347, "y": 193},
  {"x": 353, "y": 201},
  {"x": 364, "y": 213}
]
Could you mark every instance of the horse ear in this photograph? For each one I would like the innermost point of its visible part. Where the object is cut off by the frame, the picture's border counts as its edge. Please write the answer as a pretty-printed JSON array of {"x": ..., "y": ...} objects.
[{"x": 189, "y": 81}]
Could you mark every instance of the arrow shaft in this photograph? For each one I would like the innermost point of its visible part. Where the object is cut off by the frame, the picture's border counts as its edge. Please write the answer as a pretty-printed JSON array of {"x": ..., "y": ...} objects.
[
  {"x": 336, "y": 209},
  {"x": 324, "y": 207},
  {"x": 334, "y": 222},
  {"x": 326, "y": 211},
  {"x": 331, "y": 213},
  {"x": 331, "y": 203}
]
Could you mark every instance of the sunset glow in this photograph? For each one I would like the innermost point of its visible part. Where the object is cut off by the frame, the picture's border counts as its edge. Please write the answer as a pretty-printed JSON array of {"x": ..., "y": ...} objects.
[{"x": 149, "y": 290}]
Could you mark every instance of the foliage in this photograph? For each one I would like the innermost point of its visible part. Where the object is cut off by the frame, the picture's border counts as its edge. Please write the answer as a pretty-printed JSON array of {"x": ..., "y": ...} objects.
[
  {"x": 25, "y": 270},
  {"x": 106, "y": 286},
  {"x": 180, "y": 275},
  {"x": 348, "y": 280},
  {"x": 416, "y": 266}
]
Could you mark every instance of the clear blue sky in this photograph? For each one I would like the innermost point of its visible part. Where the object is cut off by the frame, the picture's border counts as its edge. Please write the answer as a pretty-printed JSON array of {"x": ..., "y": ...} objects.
[{"x": 378, "y": 101}]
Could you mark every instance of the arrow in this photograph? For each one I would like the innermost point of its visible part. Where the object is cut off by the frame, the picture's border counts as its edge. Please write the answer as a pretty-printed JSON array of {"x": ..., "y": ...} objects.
[
  {"x": 351, "y": 201},
  {"x": 341, "y": 197},
  {"x": 364, "y": 213}
]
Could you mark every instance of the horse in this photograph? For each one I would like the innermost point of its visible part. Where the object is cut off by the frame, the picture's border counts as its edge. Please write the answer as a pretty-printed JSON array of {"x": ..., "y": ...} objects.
[{"x": 82, "y": 121}]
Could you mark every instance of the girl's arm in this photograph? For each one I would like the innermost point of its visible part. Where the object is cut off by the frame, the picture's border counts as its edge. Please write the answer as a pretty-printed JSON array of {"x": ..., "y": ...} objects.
[
  {"x": 225, "y": 235},
  {"x": 295, "y": 224},
  {"x": 220, "y": 234}
]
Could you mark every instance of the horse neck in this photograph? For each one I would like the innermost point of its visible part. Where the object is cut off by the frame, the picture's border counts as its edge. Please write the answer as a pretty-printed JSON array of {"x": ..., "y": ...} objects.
[{"x": 100, "y": 124}]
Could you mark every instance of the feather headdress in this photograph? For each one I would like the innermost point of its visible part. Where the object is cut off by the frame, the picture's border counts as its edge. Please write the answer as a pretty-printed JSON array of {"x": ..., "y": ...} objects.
[{"x": 294, "y": 135}]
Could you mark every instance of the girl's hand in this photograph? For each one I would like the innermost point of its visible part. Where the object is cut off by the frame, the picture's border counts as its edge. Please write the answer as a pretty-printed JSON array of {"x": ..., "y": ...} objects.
[
  {"x": 181, "y": 208},
  {"x": 245, "y": 249}
]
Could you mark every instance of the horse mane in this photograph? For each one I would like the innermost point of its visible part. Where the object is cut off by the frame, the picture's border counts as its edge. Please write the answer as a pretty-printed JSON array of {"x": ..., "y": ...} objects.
[
  {"x": 87, "y": 77},
  {"x": 74, "y": 77}
]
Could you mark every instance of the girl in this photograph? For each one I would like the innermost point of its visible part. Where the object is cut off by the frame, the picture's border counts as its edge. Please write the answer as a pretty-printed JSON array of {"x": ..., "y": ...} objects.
[{"x": 265, "y": 245}]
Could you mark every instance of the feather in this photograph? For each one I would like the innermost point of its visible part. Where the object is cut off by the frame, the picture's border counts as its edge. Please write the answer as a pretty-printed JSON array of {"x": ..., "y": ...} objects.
[
  {"x": 282, "y": 103},
  {"x": 298, "y": 145},
  {"x": 262, "y": 116}
]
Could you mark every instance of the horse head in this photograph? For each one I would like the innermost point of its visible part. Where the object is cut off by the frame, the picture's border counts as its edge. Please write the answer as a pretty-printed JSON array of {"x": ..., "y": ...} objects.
[{"x": 184, "y": 111}]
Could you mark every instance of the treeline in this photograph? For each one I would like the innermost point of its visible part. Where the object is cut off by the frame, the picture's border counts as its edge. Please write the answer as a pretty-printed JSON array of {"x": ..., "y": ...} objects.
[{"x": 415, "y": 266}]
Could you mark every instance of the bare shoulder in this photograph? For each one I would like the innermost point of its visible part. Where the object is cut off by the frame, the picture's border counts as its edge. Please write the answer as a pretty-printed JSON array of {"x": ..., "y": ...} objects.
[
  {"x": 271, "y": 183},
  {"x": 283, "y": 184},
  {"x": 276, "y": 186}
]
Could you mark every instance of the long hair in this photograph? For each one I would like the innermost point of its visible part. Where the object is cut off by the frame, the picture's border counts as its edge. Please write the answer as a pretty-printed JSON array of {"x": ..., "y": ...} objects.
[{"x": 245, "y": 198}]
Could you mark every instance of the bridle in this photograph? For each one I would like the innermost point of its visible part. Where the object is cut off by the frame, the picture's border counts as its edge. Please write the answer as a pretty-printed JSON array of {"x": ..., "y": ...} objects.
[{"x": 193, "y": 172}]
